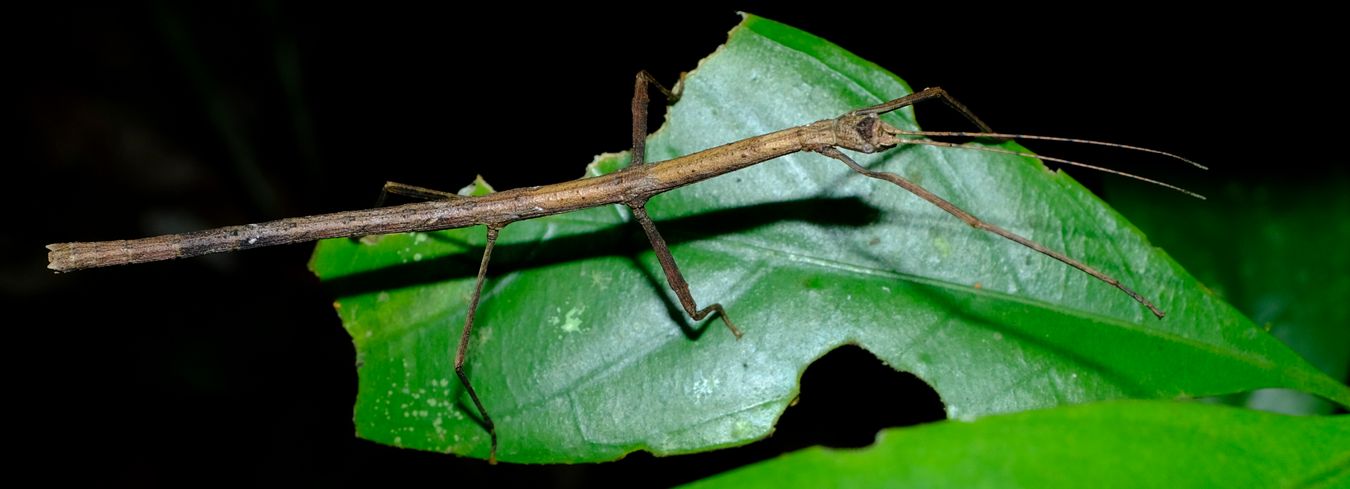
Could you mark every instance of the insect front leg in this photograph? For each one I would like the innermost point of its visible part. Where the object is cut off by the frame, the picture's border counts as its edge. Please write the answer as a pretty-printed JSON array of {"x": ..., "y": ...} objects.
[{"x": 977, "y": 223}]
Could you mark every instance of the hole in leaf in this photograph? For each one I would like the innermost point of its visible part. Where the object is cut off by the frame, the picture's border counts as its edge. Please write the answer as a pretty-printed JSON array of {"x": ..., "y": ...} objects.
[{"x": 849, "y": 395}]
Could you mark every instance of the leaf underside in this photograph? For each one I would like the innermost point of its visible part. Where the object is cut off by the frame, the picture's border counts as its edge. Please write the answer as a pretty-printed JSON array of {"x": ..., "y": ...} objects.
[{"x": 581, "y": 353}]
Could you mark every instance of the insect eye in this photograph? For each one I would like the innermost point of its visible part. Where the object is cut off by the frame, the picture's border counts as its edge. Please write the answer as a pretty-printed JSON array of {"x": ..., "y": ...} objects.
[{"x": 867, "y": 126}]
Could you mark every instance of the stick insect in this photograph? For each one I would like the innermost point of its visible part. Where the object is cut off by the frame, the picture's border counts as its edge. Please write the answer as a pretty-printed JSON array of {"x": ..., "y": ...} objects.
[{"x": 860, "y": 130}]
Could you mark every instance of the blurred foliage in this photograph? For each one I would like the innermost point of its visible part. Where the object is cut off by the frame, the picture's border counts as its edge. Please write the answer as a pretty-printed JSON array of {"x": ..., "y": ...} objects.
[{"x": 1273, "y": 246}]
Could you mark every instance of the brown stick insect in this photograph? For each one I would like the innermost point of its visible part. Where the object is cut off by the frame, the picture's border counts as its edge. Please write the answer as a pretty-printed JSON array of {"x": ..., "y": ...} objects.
[{"x": 860, "y": 130}]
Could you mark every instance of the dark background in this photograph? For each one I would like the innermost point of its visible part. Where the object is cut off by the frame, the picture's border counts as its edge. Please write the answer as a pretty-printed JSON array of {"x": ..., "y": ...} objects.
[{"x": 163, "y": 117}]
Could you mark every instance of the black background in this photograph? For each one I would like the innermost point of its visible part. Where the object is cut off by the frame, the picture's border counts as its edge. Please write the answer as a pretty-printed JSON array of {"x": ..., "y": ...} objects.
[{"x": 129, "y": 122}]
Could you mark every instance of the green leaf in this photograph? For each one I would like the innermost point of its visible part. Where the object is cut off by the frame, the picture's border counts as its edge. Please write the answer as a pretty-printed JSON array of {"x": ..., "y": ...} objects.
[
  {"x": 1272, "y": 248},
  {"x": 581, "y": 352},
  {"x": 1117, "y": 444}
]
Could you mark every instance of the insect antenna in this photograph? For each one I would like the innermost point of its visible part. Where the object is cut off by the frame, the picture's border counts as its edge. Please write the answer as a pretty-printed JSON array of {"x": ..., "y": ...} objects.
[
  {"x": 1001, "y": 135},
  {"x": 943, "y": 144}
]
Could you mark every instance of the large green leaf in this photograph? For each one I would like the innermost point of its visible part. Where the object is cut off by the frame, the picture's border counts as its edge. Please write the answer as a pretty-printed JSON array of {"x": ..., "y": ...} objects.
[
  {"x": 581, "y": 353},
  {"x": 1118, "y": 444}
]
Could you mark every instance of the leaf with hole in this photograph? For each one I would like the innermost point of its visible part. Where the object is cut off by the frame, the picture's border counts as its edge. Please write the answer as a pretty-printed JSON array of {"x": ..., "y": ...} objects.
[{"x": 581, "y": 353}]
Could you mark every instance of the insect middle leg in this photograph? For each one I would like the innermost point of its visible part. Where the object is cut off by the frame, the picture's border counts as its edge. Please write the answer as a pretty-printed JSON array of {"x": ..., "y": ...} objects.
[
  {"x": 462, "y": 350},
  {"x": 673, "y": 275},
  {"x": 672, "y": 271},
  {"x": 640, "y": 101}
]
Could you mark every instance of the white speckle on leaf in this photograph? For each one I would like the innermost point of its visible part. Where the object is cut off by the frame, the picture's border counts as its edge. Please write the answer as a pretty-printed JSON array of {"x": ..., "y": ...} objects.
[
  {"x": 703, "y": 387},
  {"x": 418, "y": 238},
  {"x": 573, "y": 322},
  {"x": 998, "y": 336},
  {"x": 417, "y": 257},
  {"x": 886, "y": 289},
  {"x": 601, "y": 280},
  {"x": 943, "y": 247},
  {"x": 383, "y": 297},
  {"x": 741, "y": 429}
]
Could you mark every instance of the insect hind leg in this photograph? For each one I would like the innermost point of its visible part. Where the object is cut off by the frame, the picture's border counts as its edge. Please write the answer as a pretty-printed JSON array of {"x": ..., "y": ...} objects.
[
  {"x": 462, "y": 352},
  {"x": 412, "y": 192}
]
